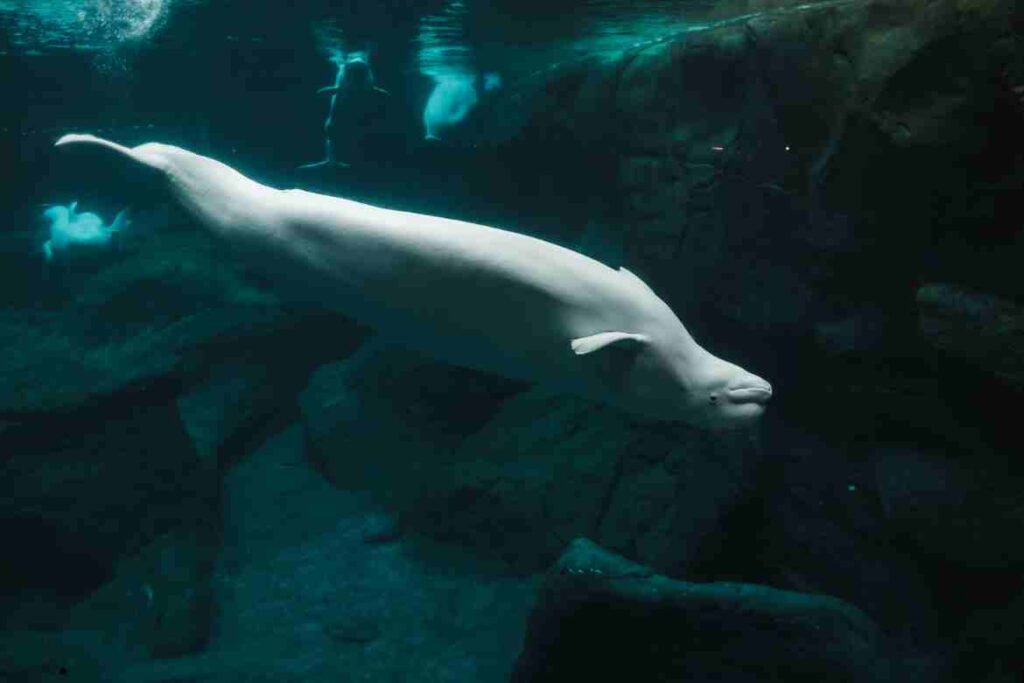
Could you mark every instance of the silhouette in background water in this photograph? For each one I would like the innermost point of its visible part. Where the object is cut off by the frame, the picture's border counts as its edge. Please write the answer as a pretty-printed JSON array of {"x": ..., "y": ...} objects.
[
  {"x": 453, "y": 97},
  {"x": 357, "y": 114},
  {"x": 69, "y": 229}
]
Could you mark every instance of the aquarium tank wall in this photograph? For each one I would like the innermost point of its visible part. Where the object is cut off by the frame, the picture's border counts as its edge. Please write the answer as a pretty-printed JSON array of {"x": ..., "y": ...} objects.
[{"x": 499, "y": 340}]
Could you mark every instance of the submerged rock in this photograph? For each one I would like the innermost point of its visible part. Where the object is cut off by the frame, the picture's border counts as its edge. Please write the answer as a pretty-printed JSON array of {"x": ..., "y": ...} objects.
[
  {"x": 112, "y": 513},
  {"x": 550, "y": 467},
  {"x": 93, "y": 488},
  {"x": 131, "y": 324},
  {"x": 248, "y": 388},
  {"x": 44, "y": 656},
  {"x": 818, "y": 527},
  {"x": 159, "y": 603},
  {"x": 379, "y": 417},
  {"x": 986, "y": 330},
  {"x": 476, "y": 461},
  {"x": 225, "y": 402},
  {"x": 599, "y": 616},
  {"x": 962, "y": 512},
  {"x": 989, "y": 645},
  {"x": 855, "y": 332},
  {"x": 299, "y": 595}
]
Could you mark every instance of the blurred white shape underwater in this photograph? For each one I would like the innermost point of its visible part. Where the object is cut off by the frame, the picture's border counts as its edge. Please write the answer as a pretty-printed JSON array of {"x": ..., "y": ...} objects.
[
  {"x": 69, "y": 228},
  {"x": 89, "y": 25}
]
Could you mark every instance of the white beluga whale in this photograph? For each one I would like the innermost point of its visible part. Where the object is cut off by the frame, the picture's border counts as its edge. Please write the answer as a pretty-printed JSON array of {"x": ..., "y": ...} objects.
[
  {"x": 68, "y": 228},
  {"x": 469, "y": 294},
  {"x": 354, "y": 98},
  {"x": 454, "y": 95}
]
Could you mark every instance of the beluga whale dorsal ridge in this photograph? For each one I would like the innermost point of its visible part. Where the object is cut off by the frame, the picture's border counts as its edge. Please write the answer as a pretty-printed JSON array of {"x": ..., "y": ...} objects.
[{"x": 469, "y": 294}]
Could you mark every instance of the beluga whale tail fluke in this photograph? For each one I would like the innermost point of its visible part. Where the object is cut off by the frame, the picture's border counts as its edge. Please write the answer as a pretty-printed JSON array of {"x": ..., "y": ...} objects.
[
  {"x": 465, "y": 293},
  {"x": 135, "y": 154}
]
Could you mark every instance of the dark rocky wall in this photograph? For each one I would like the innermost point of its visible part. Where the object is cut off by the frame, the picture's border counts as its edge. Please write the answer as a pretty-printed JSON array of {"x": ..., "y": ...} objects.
[{"x": 793, "y": 183}]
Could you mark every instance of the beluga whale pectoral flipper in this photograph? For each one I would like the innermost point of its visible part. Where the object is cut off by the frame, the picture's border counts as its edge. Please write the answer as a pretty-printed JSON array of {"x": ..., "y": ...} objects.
[{"x": 465, "y": 293}]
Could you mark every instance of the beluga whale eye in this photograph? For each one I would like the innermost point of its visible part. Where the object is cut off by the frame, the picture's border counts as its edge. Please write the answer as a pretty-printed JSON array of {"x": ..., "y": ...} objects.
[{"x": 713, "y": 398}]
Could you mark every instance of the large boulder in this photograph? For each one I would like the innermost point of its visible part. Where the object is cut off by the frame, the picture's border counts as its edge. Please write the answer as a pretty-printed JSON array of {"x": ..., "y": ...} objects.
[
  {"x": 247, "y": 388},
  {"x": 136, "y": 321},
  {"x": 225, "y": 403},
  {"x": 961, "y": 512},
  {"x": 989, "y": 644},
  {"x": 47, "y": 656},
  {"x": 476, "y": 460},
  {"x": 985, "y": 330},
  {"x": 816, "y": 526},
  {"x": 162, "y": 314},
  {"x": 127, "y": 393},
  {"x": 159, "y": 602},
  {"x": 303, "y": 590},
  {"x": 93, "y": 488},
  {"x": 379, "y": 417},
  {"x": 112, "y": 513},
  {"x": 599, "y": 616},
  {"x": 549, "y": 467}
]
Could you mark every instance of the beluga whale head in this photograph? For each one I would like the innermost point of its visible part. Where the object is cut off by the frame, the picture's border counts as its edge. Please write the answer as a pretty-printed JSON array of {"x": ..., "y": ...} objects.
[
  {"x": 658, "y": 371},
  {"x": 669, "y": 377},
  {"x": 722, "y": 395}
]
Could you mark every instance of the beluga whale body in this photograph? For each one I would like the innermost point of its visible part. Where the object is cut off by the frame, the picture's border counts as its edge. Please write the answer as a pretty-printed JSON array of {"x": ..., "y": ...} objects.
[{"x": 469, "y": 294}]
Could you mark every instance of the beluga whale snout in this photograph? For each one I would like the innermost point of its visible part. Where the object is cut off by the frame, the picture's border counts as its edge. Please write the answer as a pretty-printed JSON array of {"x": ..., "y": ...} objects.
[
  {"x": 751, "y": 389},
  {"x": 469, "y": 294}
]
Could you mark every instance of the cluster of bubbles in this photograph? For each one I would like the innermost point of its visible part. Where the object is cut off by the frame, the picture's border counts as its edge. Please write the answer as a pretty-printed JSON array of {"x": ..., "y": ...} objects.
[
  {"x": 119, "y": 21},
  {"x": 330, "y": 40},
  {"x": 108, "y": 28},
  {"x": 119, "y": 25},
  {"x": 34, "y": 27}
]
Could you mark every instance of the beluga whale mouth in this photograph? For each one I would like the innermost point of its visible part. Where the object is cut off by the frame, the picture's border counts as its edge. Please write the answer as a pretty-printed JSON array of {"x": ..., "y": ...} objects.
[{"x": 749, "y": 390}]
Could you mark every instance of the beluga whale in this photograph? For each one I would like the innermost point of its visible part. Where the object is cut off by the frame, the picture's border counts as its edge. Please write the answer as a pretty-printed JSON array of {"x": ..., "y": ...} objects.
[
  {"x": 453, "y": 96},
  {"x": 70, "y": 228},
  {"x": 469, "y": 294}
]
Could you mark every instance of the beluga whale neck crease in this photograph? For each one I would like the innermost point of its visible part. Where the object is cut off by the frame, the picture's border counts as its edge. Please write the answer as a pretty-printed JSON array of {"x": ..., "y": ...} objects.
[{"x": 465, "y": 293}]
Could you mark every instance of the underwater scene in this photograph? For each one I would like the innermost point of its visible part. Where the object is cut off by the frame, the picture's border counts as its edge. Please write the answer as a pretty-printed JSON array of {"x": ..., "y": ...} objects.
[{"x": 470, "y": 341}]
